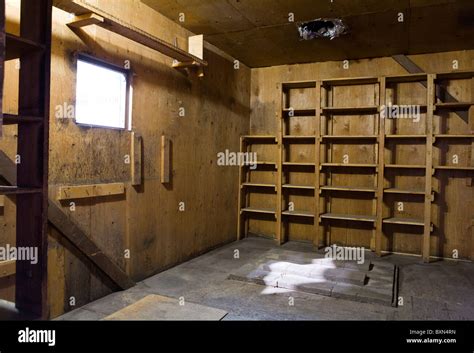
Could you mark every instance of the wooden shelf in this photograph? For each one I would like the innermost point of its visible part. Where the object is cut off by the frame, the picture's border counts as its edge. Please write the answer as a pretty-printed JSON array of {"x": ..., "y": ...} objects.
[
  {"x": 262, "y": 164},
  {"x": 350, "y": 110},
  {"x": 298, "y": 84},
  {"x": 350, "y": 81},
  {"x": 349, "y": 165},
  {"x": 349, "y": 137},
  {"x": 407, "y": 78},
  {"x": 447, "y": 167},
  {"x": 10, "y": 119},
  {"x": 404, "y": 221},
  {"x": 453, "y": 105},
  {"x": 295, "y": 164},
  {"x": 16, "y": 47},
  {"x": 299, "y": 112},
  {"x": 260, "y": 137},
  {"x": 258, "y": 185},
  {"x": 395, "y": 136},
  {"x": 404, "y": 191},
  {"x": 88, "y": 14},
  {"x": 405, "y": 166},
  {"x": 298, "y": 213},
  {"x": 300, "y": 187},
  {"x": 456, "y": 75},
  {"x": 14, "y": 190},
  {"x": 297, "y": 137},
  {"x": 348, "y": 217},
  {"x": 447, "y": 136},
  {"x": 258, "y": 210},
  {"x": 347, "y": 188}
]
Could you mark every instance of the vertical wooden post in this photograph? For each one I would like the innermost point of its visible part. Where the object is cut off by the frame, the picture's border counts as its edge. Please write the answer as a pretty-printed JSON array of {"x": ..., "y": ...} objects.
[
  {"x": 280, "y": 150},
  {"x": 240, "y": 216},
  {"x": 165, "y": 160},
  {"x": 429, "y": 167},
  {"x": 471, "y": 128},
  {"x": 380, "y": 168},
  {"x": 136, "y": 159},
  {"x": 2, "y": 58},
  {"x": 32, "y": 172},
  {"x": 317, "y": 241},
  {"x": 329, "y": 150}
]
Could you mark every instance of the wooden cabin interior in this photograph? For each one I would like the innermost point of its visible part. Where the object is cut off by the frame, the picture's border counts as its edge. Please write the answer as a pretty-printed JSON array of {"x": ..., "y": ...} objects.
[{"x": 236, "y": 155}]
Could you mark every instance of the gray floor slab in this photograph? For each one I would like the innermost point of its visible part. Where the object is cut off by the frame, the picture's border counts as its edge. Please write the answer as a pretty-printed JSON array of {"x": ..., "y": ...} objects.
[{"x": 442, "y": 290}]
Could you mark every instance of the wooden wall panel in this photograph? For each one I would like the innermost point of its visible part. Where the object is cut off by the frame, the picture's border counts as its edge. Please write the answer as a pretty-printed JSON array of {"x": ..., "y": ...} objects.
[{"x": 264, "y": 99}]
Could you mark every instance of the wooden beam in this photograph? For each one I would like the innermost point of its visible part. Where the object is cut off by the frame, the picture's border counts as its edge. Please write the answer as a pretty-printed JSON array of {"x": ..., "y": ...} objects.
[
  {"x": 2, "y": 57},
  {"x": 7, "y": 168},
  {"x": 113, "y": 24},
  {"x": 136, "y": 159},
  {"x": 7, "y": 268},
  {"x": 380, "y": 171},
  {"x": 79, "y": 239},
  {"x": 94, "y": 190},
  {"x": 279, "y": 234},
  {"x": 33, "y": 148},
  {"x": 317, "y": 240},
  {"x": 440, "y": 92},
  {"x": 165, "y": 160},
  {"x": 70, "y": 230},
  {"x": 87, "y": 19},
  {"x": 427, "y": 229},
  {"x": 240, "y": 200}
]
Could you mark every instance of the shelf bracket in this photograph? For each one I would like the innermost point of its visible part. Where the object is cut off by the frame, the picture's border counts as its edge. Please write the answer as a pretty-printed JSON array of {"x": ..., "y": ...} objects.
[{"x": 87, "y": 19}]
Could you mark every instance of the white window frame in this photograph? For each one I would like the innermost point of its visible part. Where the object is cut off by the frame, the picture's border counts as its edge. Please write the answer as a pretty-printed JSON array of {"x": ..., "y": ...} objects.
[{"x": 127, "y": 118}]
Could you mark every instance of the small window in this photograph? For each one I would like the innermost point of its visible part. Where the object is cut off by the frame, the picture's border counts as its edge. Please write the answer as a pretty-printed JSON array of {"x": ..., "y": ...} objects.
[{"x": 101, "y": 94}]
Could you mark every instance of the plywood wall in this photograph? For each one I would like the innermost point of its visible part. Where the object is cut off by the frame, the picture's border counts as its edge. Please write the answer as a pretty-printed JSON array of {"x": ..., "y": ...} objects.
[
  {"x": 453, "y": 209},
  {"x": 146, "y": 219}
]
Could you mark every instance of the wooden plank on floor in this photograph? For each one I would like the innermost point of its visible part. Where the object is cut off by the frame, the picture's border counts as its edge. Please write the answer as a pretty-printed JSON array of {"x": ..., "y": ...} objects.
[
  {"x": 94, "y": 190},
  {"x": 157, "y": 307}
]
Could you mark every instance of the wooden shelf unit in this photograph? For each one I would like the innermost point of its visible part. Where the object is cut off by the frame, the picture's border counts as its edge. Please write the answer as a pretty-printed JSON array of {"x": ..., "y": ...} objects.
[
  {"x": 322, "y": 138},
  {"x": 285, "y": 189},
  {"x": 246, "y": 186},
  {"x": 465, "y": 110},
  {"x": 33, "y": 48},
  {"x": 329, "y": 191}
]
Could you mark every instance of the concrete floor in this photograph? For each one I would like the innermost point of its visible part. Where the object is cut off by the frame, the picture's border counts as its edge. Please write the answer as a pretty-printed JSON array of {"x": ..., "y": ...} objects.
[{"x": 442, "y": 290}]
